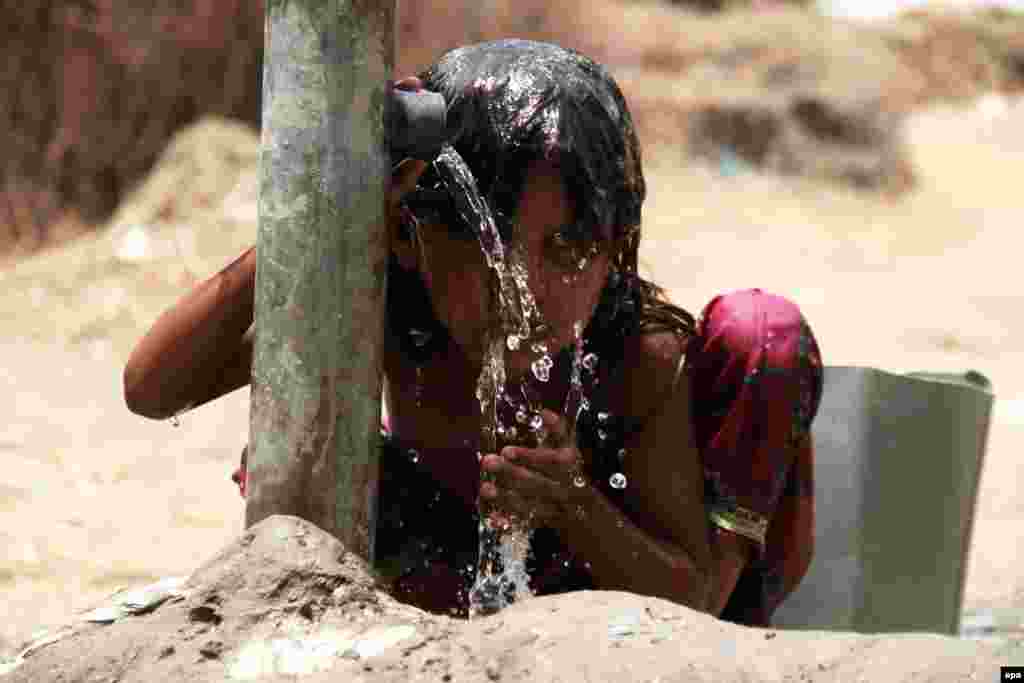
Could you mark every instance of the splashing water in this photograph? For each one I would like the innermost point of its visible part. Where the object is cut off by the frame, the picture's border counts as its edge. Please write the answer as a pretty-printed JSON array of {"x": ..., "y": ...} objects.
[
  {"x": 501, "y": 576},
  {"x": 176, "y": 418},
  {"x": 419, "y": 337},
  {"x": 541, "y": 368},
  {"x": 575, "y": 401},
  {"x": 575, "y": 393},
  {"x": 617, "y": 481},
  {"x": 501, "y": 572}
]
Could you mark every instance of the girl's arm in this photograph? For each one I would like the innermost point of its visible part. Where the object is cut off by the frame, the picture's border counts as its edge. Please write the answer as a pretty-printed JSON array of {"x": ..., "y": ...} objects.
[
  {"x": 657, "y": 543},
  {"x": 661, "y": 545},
  {"x": 198, "y": 350}
]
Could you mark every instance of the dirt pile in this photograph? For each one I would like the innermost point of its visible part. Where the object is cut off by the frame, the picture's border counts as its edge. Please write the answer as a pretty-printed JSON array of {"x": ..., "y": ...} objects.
[
  {"x": 787, "y": 92},
  {"x": 286, "y": 600},
  {"x": 959, "y": 55},
  {"x": 195, "y": 212}
]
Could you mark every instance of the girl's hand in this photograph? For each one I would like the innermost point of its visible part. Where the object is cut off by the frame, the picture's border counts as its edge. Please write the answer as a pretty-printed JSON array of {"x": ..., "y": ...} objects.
[{"x": 538, "y": 485}]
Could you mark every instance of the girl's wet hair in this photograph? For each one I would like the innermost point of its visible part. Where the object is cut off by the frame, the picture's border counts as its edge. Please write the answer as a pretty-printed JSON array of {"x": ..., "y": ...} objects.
[{"x": 514, "y": 102}]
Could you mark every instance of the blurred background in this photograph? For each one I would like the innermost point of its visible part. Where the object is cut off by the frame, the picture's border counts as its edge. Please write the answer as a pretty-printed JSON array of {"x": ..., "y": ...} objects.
[{"x": 861, "y": 158}]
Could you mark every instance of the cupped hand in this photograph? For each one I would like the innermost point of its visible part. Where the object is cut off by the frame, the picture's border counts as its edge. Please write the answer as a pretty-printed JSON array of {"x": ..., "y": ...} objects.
[{"x": 542, "y": 486}]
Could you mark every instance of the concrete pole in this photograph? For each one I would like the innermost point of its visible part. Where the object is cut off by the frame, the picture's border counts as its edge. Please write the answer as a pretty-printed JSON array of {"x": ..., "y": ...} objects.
[{"x": 320, "y": 273}]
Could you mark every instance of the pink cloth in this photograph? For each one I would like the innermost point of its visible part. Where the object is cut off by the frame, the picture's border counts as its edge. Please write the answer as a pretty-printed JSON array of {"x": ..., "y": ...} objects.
[{"x": 756, "y": 375}]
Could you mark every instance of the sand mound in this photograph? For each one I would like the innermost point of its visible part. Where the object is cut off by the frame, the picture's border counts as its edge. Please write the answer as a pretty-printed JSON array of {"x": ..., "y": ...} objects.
[
  {"x": 286, "y": 599},
  {"x": 193, "y": 214}
]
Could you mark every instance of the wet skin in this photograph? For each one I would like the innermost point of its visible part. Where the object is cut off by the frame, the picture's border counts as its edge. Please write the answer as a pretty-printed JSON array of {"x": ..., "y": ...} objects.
[{"x": 659, "y": 544}]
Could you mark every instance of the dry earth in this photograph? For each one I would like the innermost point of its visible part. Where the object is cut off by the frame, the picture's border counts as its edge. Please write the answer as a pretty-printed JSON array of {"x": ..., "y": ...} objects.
[
  {"x": 94, "y": 498},
  {"x": 285, "y": 602}
]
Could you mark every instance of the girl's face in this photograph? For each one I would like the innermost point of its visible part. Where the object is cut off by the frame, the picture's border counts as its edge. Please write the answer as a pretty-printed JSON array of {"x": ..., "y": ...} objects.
[{"x": 457, "y": 277}]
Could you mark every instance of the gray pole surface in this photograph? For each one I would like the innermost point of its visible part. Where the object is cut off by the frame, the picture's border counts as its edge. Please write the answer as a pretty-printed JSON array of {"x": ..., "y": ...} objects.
[{"x": 321, "y": 257}]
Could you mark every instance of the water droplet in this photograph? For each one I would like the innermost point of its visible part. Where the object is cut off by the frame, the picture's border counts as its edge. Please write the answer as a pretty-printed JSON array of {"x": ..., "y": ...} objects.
[
  {"x": 414, "y": 455},
  {"x": 580, "y": 513},
  {"x": 581, "y": 264},
  {"x": 521, "y": 416},
  {"x": 601, "y": 434},
  {"x": 578, "y": 481},
  {"x": 620, "y": 524},
  {"x": 542, "y": 368},
  {"x": 584, "y": 404},
  {"x": 175, "y": 421},
  {"x": 565, "y": 564},
  {"x": 590, "y": 361},
  {"x": 479, "y": 456},
  {"x": 617, "y": 481},
  {"x": 536, "y": 423},
  {"x": 577, "y": 329},
  {"x": 420, "y": 338},
  {"x": 622, "y": 454},
  {"x": 539, "y": 347},
  {"x": 602, "y": 417},
  {"x": 566, "y": 280},
  {"x": 513, "y": 341},
  {"x": 586, "y": 565}
]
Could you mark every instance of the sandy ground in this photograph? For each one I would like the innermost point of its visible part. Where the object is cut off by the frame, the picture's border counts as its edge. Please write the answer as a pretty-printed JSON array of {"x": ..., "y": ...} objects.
[{"x": 93, "y": 498}]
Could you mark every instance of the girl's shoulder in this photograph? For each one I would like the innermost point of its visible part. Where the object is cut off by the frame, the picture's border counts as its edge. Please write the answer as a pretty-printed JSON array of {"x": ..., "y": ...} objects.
[{"x": 648, "y": 373}]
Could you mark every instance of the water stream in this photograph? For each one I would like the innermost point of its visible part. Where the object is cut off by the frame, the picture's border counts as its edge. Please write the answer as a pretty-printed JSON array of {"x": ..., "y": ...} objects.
[{"x": 504, "y": 541}]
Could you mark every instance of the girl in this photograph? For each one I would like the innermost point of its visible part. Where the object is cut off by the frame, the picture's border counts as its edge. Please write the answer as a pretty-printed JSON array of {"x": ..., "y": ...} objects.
[{"x": 682, "y": 468}]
